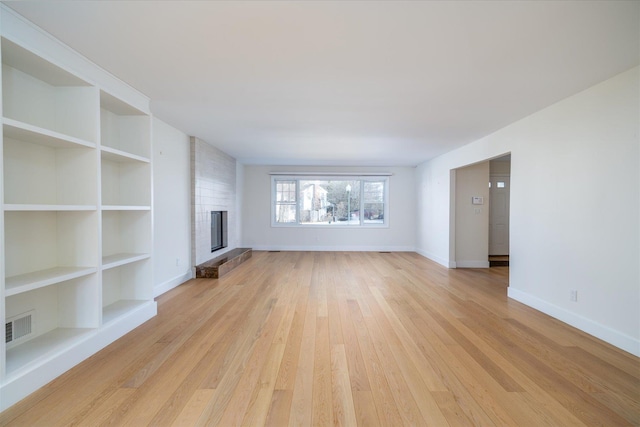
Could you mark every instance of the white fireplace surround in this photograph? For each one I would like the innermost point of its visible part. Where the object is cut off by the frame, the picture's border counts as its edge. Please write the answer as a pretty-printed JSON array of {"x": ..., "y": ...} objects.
[{"x": 213, "y": 188}]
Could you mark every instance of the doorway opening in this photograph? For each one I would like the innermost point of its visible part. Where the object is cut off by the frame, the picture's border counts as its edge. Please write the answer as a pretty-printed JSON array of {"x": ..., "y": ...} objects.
[{"x": 499, "y": 197}]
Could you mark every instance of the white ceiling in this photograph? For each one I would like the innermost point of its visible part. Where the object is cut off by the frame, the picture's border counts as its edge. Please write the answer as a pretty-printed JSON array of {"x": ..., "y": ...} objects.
[{"x": 347, "y": 82}]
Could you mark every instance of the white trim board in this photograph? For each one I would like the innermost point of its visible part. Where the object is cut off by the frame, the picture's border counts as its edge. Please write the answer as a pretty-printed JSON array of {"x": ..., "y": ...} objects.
[
  {"x": 330, "y": 174},
  {"x": 172, "y": 283},
  {"x": 442, "y": 261},
  {"x": 611, "y": 336},
  {"x": 472, "y": 264},
  {"x": 340, "y": 248}
]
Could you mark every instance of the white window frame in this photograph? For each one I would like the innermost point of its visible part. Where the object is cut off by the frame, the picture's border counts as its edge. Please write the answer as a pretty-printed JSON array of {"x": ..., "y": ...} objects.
[{"x": 297, "y": 177}]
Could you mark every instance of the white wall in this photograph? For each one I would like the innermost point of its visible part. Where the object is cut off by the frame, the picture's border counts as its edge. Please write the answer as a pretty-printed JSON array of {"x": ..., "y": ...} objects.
[
  {"x": 575, "y": 189},
  {"x": 472, "y": 221},
  {"x": 171, "y": 207},
  {"x": 259, "y": 234}
]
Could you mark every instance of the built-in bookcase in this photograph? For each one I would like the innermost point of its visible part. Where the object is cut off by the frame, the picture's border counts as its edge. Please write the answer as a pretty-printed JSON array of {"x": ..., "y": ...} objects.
[{"x": 76, "y": 235}]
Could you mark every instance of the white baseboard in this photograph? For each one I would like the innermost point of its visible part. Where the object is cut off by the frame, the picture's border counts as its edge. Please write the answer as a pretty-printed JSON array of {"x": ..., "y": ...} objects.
[
  {"x": 613, "y": 337},
  {"x": 171, "y": 283},
  {"x": 472, "y": 264},
  {"x": 340, "y": 248},
  {"x": 435, "y": 258}
]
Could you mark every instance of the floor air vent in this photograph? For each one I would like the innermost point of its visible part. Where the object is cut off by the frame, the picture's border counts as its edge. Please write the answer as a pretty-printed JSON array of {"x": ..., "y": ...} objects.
[{"x": 18, "y": 327}]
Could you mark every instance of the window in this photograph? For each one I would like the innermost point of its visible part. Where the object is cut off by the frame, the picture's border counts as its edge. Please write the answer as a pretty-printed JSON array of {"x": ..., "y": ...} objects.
[{"x": 321, "y": 201}]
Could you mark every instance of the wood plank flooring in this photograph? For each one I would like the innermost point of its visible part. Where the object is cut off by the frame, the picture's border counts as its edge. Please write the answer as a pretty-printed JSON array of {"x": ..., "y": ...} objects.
[{"x": 344, "y": 338}]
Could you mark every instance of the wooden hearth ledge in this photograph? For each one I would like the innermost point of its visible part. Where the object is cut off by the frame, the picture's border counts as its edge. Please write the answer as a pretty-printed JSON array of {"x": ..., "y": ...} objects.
[{"x": 218, "y": 267}]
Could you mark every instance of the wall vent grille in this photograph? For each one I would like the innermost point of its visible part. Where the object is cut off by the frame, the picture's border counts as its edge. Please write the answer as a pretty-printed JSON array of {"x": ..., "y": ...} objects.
[
  {"x": 8, "y": 332},
  {"x": 18, "y": 327}
]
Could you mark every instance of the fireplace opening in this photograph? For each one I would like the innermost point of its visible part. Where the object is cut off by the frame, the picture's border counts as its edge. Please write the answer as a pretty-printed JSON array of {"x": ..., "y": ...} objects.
[{"x": 218, "y": 230}]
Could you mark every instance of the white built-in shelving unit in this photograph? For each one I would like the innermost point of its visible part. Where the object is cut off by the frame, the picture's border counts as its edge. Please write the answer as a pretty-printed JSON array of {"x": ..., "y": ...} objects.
[
  {"x": 126, "y": 207},
  {"x": 76, "y": 221}
]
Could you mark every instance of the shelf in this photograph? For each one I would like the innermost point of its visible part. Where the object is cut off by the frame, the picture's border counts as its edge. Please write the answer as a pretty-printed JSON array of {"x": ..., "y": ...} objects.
[
  {"x": 39, "y": 240},
  {"x": 26, "y": 61},
  {"x": 118, "y": 107},
  {"x": 120, "y": 156},
  {"x": 43, "y": 347},
  {"x": 58, "y": 110},
  {"x": 38, "y": 279},
  {"x": 126, "y": 232},
  {"x": 119, "y": 309},
  {"x": 37, "y": 135},
  {"x": 125, "y": 183},
  {"x": 124, "y": 128},
  {"x": 128, "y": 282},
  {"x": 125, "y": 208},
  {"x": 45, "y": 168},
  {"x": 49, "y": 208},
  {"x": 116, "y": 260},
  {"x": 40, "y": 93}
]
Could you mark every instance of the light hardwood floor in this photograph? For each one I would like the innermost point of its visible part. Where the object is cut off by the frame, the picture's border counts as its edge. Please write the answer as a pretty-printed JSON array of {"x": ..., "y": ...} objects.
[{"x": 343, "y": 338}]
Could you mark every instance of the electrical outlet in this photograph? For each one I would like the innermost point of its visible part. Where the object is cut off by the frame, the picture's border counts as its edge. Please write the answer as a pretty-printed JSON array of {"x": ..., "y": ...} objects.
[
  {"x": 177, "y": 262},
  {"x": 573, "y": 295}
]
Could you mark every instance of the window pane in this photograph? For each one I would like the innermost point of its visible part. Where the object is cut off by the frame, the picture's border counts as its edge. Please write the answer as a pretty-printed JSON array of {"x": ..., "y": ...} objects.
[
  {"x": 285, "y": 202},
  {"x": 373, "y": 191},
  {"x": 374, "y": 213},
  {"x": 314, "y": 206},
  {"x": 285, "y": 213},
  {"x": 345, "y": 196},
  {"x": 285, "y": 191},
  {"x": 327, "y": 202},
  {"x": 374, "y": 202}
]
